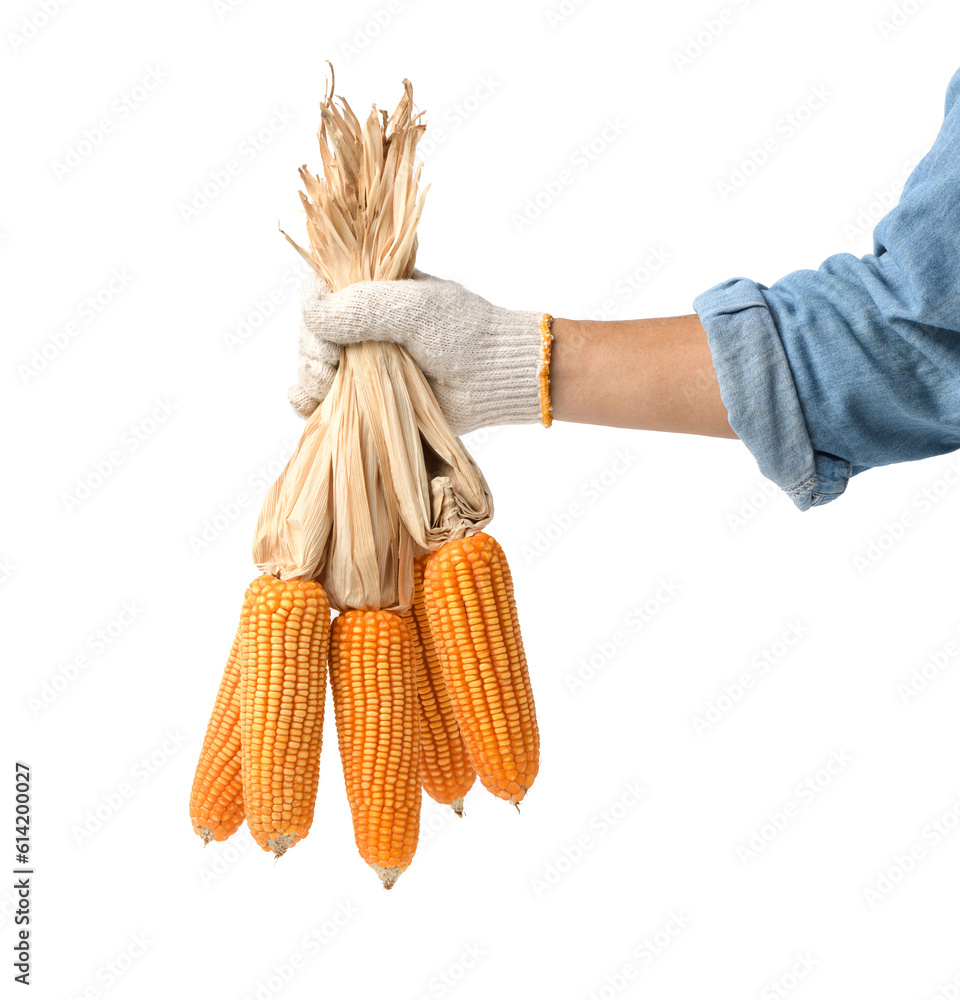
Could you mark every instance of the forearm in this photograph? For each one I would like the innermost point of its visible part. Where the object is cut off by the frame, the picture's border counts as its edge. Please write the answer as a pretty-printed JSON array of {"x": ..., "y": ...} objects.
[{"x": 647, "y": 374}]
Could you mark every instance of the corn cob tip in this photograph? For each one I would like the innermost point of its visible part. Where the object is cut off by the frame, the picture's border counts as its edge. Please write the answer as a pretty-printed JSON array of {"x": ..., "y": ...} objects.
[
  {"x": 205, "y": 835},
  {"x": 388, "y": 876},
  {"x": 280, "y": 844},
  {"x": 457, "y": 806}
]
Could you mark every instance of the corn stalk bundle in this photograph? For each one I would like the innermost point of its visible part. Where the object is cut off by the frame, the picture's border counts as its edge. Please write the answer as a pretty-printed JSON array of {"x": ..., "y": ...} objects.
[
  {"x": 379, "y": 514},
  {"x": 380, "y": 425}
]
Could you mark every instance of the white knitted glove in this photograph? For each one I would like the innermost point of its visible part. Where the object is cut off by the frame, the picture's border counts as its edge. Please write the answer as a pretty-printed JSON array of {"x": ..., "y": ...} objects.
[{"x": 482, "y": 362}]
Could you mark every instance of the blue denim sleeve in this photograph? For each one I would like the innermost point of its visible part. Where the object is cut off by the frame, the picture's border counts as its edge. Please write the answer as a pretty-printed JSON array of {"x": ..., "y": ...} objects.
[{"x": 829, "y": 372}]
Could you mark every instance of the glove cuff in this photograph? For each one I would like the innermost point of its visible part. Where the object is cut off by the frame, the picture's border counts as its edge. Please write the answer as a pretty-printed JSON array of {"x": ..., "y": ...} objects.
[{"x": 511, "y": 371}]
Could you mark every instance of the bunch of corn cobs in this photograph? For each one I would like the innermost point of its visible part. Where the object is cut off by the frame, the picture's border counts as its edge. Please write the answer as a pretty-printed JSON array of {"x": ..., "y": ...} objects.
[
  {"x": 428, "y": 698},
  {"x": 428, "y": 695}
]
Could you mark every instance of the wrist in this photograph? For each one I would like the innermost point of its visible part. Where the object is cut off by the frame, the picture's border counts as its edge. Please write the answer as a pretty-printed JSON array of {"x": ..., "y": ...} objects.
[{"x": 568, "y": 373}]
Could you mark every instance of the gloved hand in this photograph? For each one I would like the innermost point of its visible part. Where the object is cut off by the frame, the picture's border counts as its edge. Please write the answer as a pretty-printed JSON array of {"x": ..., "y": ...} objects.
[{"x": 482, "y": 362}]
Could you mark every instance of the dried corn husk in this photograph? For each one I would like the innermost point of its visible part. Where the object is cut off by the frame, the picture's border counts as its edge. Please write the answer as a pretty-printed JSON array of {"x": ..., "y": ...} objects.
[{"x": 378, "y": 476}]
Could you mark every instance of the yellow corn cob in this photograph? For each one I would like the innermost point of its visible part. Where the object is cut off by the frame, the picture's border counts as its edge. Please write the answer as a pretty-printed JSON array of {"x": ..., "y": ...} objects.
[
  {"x": 473, "y": 620},
  {"x": 445, "y": 768},
  {"x": 374, "y": 686},
  {"x": 283, "y": 657},
  {"x": 216, "y": 799}
]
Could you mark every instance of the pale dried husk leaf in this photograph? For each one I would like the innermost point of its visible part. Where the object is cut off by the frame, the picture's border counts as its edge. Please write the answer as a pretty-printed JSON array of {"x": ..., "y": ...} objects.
[{"x": 378, "y": 476}]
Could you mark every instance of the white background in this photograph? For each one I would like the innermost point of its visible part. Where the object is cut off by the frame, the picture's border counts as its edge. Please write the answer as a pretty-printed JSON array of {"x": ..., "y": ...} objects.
[{"x": 119, "y": 732}]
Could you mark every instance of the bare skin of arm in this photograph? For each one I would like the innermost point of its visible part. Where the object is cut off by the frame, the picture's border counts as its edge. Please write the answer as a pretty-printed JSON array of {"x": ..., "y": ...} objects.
[{"x": 646, "y": 374}]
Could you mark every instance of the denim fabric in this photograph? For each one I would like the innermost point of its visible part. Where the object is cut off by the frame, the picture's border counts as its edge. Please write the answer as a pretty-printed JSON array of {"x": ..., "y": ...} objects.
[{"x": 833, "y": 371}]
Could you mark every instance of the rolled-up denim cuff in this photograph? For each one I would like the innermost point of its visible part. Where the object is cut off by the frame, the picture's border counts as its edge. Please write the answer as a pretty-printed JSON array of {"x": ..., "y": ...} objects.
[{"x": 758, "y": 390}]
